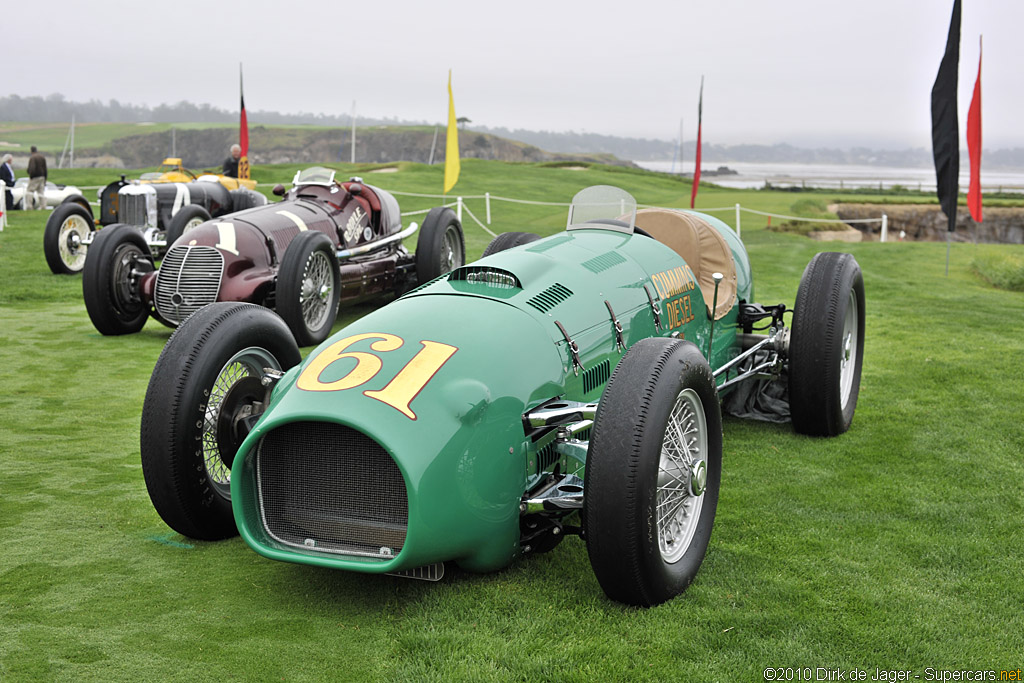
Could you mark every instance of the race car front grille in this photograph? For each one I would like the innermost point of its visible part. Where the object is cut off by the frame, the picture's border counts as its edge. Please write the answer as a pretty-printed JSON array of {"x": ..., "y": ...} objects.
[
  {"x": 328, "y": 488},
  {"x": 188, "y": 279},
  {"x": 132, "y": 210}
]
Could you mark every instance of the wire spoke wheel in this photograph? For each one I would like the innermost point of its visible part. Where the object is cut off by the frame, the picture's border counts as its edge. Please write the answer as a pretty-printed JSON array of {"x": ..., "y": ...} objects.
[
  {"x": 248, "y": 362},
  {"x": 309, "y": 287},
  {"x": 441, "y": 246},
  {"x": 451, "y": 250},
  {"x": 826, "y": 349},
  {"x": 681, "y": 476},
  {"x": 850, "y": 343},
  {"x": 317, "y": 283},
  {"x": 653, "y": 472},
  {"x": 204, "y": 394}
]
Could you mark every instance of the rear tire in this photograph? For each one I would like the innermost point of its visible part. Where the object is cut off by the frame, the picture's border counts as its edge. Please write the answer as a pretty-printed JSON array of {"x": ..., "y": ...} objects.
[
  {"x": 507, "y": 240},
  {"x": 66, "y": 228},
  {"x": 188, "y": 217},
  {"x": 441, "y": 246},
  {"x": 110, "y": 286},
  {"x": 206, "y": 379},
  {"x": 826, "y": 350},
  {"x": 653, "y": 471},
  {"x": 309, "y": 287}
]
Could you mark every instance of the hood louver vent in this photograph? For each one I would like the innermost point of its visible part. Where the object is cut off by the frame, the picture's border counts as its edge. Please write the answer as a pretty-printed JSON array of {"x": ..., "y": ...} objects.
[
  {"x": 486, "y": 276},
  {"x": 423, "y": 286},
  {"x": 550, "y": 297},
  {"x": 596, "y": 376},
  {"x": 604, "y": 262}
]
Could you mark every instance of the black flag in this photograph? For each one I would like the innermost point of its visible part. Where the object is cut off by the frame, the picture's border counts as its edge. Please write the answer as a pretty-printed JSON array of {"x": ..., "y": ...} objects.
[{"x": 945, "y": 125}]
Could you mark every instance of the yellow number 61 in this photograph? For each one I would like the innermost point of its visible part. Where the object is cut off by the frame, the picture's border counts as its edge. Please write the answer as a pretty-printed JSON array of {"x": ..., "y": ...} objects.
[{"x": 400, "y": 391}]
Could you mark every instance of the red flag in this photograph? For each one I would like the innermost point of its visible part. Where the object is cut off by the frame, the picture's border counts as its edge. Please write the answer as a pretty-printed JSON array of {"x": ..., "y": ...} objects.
[
  {"x": 974, "y": 146},
  {"x": 696, "y": 172},
  {"x": 243, "y": 134}
]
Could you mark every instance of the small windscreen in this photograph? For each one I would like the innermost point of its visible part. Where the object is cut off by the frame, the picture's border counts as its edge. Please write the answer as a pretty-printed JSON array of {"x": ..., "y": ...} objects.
[
  {"x": 315, "y": 175},
  {"x": 603, "y": 205}
]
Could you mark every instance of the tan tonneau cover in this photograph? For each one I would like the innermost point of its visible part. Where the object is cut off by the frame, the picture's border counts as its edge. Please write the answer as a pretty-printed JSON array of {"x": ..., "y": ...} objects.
[{"x": 701, "y": 246}]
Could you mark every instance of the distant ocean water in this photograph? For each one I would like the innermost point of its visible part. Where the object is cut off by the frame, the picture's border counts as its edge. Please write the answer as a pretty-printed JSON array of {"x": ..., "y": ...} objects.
[{"x": 755, "y": 175}]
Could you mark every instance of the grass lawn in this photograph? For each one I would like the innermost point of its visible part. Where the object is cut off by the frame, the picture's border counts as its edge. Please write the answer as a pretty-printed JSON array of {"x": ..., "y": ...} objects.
[{"x": 895, "y": 546}]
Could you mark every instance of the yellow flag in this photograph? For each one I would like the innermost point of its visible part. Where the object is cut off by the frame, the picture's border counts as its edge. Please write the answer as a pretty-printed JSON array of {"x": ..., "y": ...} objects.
[{"x": 451, "y": 151}]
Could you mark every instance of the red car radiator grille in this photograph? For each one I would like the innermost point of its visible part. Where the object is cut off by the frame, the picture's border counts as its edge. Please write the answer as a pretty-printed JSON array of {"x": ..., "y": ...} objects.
[
  {"x": 329, "y": 488},
  {"x": 188, "y": 279}
]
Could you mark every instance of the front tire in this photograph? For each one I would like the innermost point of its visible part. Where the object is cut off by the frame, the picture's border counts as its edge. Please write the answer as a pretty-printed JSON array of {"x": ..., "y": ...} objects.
[
  {"x": 653, "y": 471},
  {"x": 185, "y": 219},
  {"x": 309, "y": 287},
  {"x": 441, "y": 246},
  {"x": 110, "y": 280},
  {"x": 826, "y": 350},
  {"x": 206, "y": 380},
  {"x": 66, "y": 229}
]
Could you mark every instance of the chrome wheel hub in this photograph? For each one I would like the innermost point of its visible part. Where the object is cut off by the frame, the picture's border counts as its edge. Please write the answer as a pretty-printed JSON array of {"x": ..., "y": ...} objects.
[{"x": 698, "y": 478}]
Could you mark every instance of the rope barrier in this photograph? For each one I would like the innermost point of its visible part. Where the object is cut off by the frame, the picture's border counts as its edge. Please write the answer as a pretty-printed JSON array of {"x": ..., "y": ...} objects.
[
  {"x": 684, "y": 208},
  {"x": 812, "y": 220},
  {"x": 486, "y": 229},
  {"x": 416, "y": 213},
  {"x": 530, "y": 202}
]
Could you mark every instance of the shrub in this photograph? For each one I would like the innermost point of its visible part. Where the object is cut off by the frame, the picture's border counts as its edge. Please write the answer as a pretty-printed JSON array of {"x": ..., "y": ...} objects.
[{"x": 1003, "y": 271}]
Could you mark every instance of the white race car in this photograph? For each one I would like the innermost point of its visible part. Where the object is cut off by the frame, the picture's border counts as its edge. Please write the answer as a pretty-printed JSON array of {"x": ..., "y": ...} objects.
[{"x": 55, "y": 194}]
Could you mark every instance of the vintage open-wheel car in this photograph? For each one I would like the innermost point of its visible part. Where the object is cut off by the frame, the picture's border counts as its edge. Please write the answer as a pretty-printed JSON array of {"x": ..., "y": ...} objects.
[
  {"x": 569, "y": 385},
  {"x": 327, "y": 243},
  {"x": 162, "y": 206}
]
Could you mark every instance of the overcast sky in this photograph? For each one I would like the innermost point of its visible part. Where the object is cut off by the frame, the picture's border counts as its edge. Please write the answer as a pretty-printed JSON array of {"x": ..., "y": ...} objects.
[{"x": 806, "y": 72}]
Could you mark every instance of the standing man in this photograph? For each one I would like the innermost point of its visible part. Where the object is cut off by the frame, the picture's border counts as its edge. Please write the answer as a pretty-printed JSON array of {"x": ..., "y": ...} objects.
[
  {"x": 231, "y": 163},
  {"x": 7, "y": 175},
  {"x": 36, "y": 180}
]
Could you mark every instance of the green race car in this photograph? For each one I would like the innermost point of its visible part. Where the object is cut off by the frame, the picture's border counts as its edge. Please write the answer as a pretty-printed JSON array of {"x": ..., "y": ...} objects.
[{"x": 570, "y": 385}]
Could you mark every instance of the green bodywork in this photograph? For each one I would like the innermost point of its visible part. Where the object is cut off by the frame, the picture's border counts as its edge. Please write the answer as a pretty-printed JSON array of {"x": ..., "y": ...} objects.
[{"x": 464, "y": 453}]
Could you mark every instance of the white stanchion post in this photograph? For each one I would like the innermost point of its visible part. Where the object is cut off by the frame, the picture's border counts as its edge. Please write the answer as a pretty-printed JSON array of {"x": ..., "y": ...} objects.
[
  {"x": 885, "y": 227},
  {"x": 458, "y": 208},
  {"x": 487, "y": 200},
  {"x": 738, "y": 232},
  {"x": 3, "y": 205}
]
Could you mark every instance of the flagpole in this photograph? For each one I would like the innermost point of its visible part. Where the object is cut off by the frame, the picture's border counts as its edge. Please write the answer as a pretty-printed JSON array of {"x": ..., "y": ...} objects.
[{"x": 949, "y": 238}]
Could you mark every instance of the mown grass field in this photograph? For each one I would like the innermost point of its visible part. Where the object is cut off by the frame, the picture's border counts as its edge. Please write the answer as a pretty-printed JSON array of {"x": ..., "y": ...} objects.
[{"x": 895, "y": 546}]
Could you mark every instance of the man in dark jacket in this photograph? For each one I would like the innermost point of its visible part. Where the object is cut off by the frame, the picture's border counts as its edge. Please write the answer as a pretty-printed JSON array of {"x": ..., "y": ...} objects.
[
  {"x": 35, "y": 193},
  {"x": 231, "y": 163},
  {"x": 7, "y": 175}
]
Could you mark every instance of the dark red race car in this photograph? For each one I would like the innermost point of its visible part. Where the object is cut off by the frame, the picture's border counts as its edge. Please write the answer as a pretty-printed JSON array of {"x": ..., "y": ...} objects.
[{"x": 325, "y": 243}]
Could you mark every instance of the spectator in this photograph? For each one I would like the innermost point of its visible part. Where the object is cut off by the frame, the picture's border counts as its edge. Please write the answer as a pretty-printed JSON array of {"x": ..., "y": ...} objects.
[
  {"x": 7, "y": 176},
  {"x": 36, "y": 190},
  {"x": 231, "y": 163}
]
